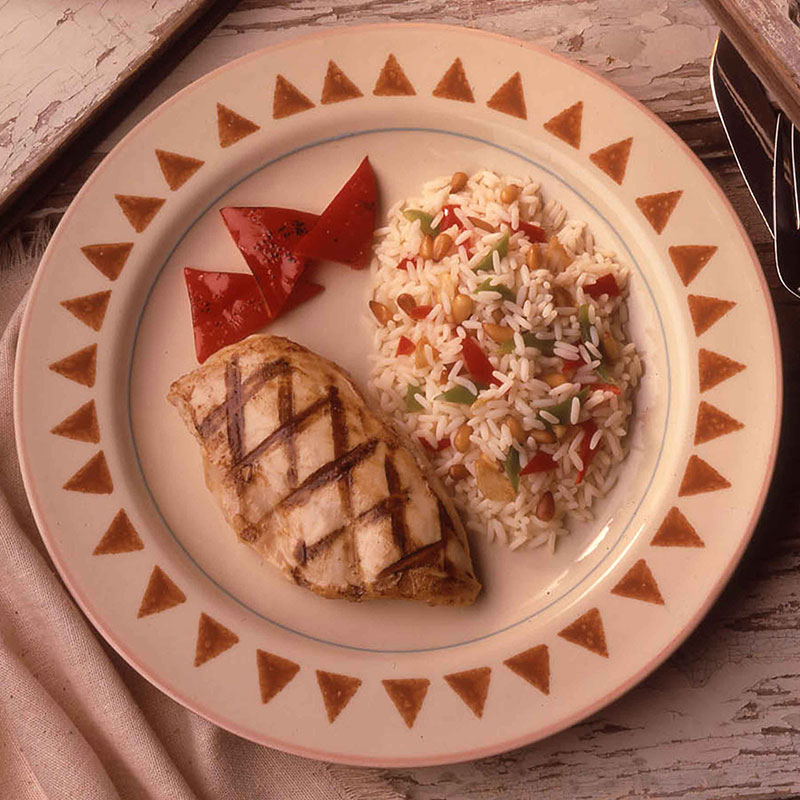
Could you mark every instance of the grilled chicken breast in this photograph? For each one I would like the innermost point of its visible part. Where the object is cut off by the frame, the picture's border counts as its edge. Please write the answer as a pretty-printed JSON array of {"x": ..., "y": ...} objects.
[{"x": 317, "y": 483}]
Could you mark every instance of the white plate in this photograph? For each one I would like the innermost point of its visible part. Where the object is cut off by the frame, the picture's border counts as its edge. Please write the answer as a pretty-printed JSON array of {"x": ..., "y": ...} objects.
[{"x": 143, "y": 342}]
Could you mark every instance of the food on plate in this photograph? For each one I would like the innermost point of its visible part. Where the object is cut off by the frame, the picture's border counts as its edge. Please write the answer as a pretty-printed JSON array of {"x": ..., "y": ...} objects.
[
  {"x": 278, "y": 245},
  {"x": 502, "y": 344},
  {"x": 317, "y": 483}
]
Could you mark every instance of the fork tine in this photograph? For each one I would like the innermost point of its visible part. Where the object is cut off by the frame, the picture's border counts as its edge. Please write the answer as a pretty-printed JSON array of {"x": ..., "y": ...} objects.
[{"x": 784, "y": 199}]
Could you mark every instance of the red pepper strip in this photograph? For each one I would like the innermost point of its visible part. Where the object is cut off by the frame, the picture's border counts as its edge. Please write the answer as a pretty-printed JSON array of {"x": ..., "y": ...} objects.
[
  {"x": 604, "y": 387},
  {"x": 303, "y": 290},
  {"x": 405, "y": 346},
  {"x": 570, "y": 366},
  {"x": 405, "y": 262},
  {"x": 477, "y": 362},
  {"x": 605, "y": 284},
  {"x": 541, "y": 462},
  {"x": 586, "y": 453},
  {"x": 532, "y": 232},
  {"x": 226, "y": 307},
  {"x": 420, "y": 312},
  {"x": 265, "y": 236},
  {"x": 344, "y": 230},
  {"x": 450, "y": 218},
  {"x": 440, "y": 445}
]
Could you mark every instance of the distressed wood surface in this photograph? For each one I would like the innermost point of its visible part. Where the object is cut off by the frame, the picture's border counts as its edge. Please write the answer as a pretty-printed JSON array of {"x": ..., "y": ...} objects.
[{"x": 721, "y": 719}]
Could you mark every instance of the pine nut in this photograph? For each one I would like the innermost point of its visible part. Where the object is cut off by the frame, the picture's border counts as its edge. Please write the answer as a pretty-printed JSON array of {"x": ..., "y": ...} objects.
[
  {"x": 380, "y": 311},
  {"x": 482, "y": 224},
  {"x": 406, "y": 302},
  {"x": 441, "y": 246},
  {"x": 509, "y": 194},
  {"x": 543, "y": 437},
  {"x": 461, "y": 439},
  {"x": 553, "y": 379},
  {"x": 611, "y": 347},
  {"x": 458, "y": 472},
  {"x": 462, "y": 308},
  {"x": 562, "y": 297},
  {"x": 515, "y": 428},
  {"x": 556, "y": 256},
  {"x": 533, "y": 258},
  {"x": 546, "y": 509},
  {"x": 559, "y": 430},
  {"x": 499, "y": 333},
  {"x": 426, "y": 246},
  {"x": 458, "y": 181},
  {"x": 420, "y": 359}
]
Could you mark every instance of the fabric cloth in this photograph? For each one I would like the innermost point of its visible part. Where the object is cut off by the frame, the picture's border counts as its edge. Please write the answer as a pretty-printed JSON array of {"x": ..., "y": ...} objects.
[{"x": 75, "y": 720}]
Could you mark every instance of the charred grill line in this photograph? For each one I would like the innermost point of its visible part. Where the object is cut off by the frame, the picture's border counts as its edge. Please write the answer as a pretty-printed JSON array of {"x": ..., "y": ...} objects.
[
  {"x": 233, "y": 408},
  {"x": 383, "y": 508},
  {"x": 312, "y": 551},
  {"x": 285, "y": 416},
  {"x": 285, "y": 431},
  {"x": 332, "y": 471},
  {"x": 399, "y": 532},
  {"x": 422, "y": 557},
  {"x": 249, "y": 389}
]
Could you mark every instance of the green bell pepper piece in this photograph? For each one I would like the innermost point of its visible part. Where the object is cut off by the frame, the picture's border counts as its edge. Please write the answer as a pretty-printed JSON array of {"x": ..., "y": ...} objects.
[
  {"x": 583, "y": 320},
  {"x": 458, "y": 394},
  {"x": 500, "y": 288},
  {"x": 562, "y": 410},
  {"x": 424, "y": 218},
  {"x": 412, "y": 405},
  {"x": 512, "y": 468},
  {"x": 487, "y": 262}
]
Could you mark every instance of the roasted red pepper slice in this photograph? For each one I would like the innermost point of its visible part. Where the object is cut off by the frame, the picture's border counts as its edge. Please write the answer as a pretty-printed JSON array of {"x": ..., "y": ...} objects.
[
  {"x": 605, "y": 284},
  {"x": 541, "y": 462},
  {"x": 266, "y": 237},
  {"x": 605, "y": 387},
  {"x": 586, "y": 453},
  {"x": 477, "y": 362},
  {"x": 344, "y": 230},
  {"x": 226, "y": 307},
  {"x": 532, "y": 232},
  {"x": 303, "y": 290},
  {"x": 420, "y": 312},
  {"x": 405, "y": 346},
  {"x": 440, "y": 445},
  {"x": 450, "y": 218}
]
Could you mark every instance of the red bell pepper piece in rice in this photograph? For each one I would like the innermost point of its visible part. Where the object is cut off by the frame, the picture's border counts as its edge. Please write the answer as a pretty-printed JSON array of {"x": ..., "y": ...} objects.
[
  {"x": 605, "y": 284},
  {"x": 532, "y": 232},
  {"x": 420, "y": 312},
  {"x": 450, "y": 218},
  {"x": 605, "y": 387},
  {"x": 477, "y": 362},
  {"x": 541, "y": 462},
  {"x": 570, "y": 367},
  {"x": 586, "y": 453},
  {"x": 405, "y": 262},
  {"x": 440, "y": 445},
  {"x": 344, "y": 230},
  {"x": 266, "y": 237}
]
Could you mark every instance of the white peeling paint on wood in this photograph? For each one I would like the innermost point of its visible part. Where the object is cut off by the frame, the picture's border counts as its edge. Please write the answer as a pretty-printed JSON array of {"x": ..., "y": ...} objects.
[{"x": 59, "y": 61}]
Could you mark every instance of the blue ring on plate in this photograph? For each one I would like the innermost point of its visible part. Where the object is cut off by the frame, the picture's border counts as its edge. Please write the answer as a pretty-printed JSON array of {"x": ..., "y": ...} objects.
[{"x": 351, "y": 135}]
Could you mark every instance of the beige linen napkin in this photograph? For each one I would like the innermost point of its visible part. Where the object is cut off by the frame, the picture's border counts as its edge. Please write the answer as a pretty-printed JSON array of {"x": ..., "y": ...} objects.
[{"x": 75, "y": 720}]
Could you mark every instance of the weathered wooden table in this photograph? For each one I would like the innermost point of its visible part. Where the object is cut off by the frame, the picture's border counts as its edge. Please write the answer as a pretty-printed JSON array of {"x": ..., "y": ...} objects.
[{"x": 721, "y": 719}]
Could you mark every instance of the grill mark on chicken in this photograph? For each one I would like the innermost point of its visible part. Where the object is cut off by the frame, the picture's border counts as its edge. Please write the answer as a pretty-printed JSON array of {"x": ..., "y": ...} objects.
[
  {"x": 249, "y": 389},
  {"x": 383, "y": 508},
  {"x": 323, "y": 544},
  {"x": 234, "y": 408},
  {"x": 422, "y": 557},
  {"x": 285, "y": 416},
  {"x": 332, "y": 471},
  {"x": 396, "y": 509}
]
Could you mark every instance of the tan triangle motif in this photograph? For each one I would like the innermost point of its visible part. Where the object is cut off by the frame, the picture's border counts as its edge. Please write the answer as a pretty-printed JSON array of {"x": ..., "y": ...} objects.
[
  {"x": 139, "y": 211},
  {"x": 287, "y": 99},
  {"x": 701, "y": 477},
  {"x": 121, "y": 537},
  {"x": 161, "y": 594},
  {"x": 613, "y": 159},
  {"x": 454, "y": 84},
  {"x": 706, "y": 311},
  {"x": 81, "y": 425},
  {"x": 638, "y": 583},
  {"x": 472, "y": 686},
  {"x": 80, "y": 366},
  {"x": 392, "y": 82},
  {"x": 408, "y": 695},
  {"x": 108, "y": 258},
  {"x": 510, "y": 98},
  {"x": 337, "y": 691},
  {"x": 231, "y": 127},
  {"x": 177, "y": 169},
  {"x": 338, "y": 87},
  {"x": 714, "y": 368},
  {"x": 712, "y": 423},
  {"x": 566, "y": 125},
  {"x": 689, "y": 259},
  {"x": 676, "y": 531},
  {"x": 587, "y": 631},
  {"x": 92, "y": 478},
  {"x": 90, "y": 309},
  {"x": 213, "y": 638},
  {"x": 658, "y": 208},
  {"x": 274, "y": 673},
  {"x": 533, "y": 665}
]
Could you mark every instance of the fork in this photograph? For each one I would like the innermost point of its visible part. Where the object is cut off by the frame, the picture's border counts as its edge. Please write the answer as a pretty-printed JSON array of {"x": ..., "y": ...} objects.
[{"x": 786, "y": 205}]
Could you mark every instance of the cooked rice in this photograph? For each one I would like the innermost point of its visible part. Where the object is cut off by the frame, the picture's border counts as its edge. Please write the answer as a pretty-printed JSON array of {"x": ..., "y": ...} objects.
[{"x": 520, "y": 390}]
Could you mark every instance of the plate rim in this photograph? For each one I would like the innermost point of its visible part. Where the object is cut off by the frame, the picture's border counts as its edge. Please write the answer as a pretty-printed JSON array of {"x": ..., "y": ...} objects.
[{"x": 497, "y": 747}]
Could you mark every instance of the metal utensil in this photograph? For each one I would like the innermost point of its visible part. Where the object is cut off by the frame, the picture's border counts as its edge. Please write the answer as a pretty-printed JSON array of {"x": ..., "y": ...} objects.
[
  {"x": 786, "y": 204},
  {"x": 748, "y": 119}
]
